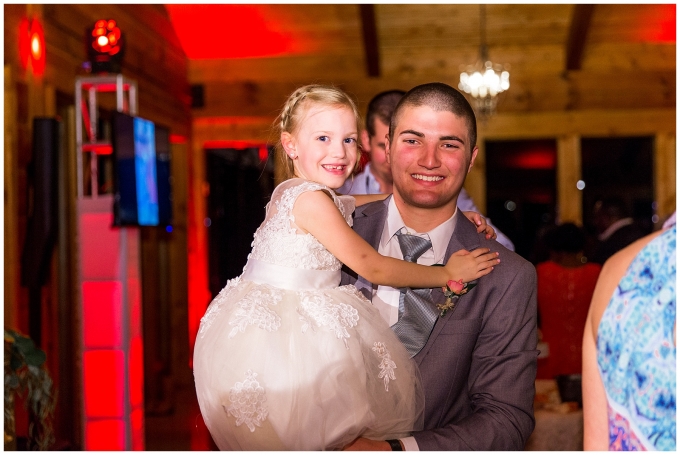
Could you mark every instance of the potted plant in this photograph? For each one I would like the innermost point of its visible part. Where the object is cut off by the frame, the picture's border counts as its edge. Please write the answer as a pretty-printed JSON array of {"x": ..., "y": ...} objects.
[{"x": 27, "y": 377}]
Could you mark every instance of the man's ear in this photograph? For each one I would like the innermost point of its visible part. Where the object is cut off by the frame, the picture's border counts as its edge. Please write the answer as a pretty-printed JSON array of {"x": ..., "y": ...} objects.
[
  {"x": 472, "y": 158},
  {"x": 388, "y": 156},
  {"x": 365, "y": 141},
  {"x": 288, "y": 143}
]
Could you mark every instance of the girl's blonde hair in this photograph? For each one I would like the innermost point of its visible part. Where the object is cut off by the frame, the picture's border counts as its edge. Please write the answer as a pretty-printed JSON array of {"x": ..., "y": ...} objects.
[{"x": 294, "y": 111}]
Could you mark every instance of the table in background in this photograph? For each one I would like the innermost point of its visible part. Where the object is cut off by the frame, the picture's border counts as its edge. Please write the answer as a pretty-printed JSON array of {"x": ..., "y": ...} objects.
[{"x": 558, "y": 425}]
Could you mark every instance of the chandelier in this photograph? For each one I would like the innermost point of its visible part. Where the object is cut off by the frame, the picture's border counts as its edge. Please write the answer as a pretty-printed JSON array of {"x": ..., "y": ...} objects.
[{"x": 484, "y": 80}]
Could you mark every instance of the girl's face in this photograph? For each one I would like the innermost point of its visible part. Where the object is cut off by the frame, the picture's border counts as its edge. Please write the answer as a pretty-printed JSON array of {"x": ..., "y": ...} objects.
[{"x": 325, "y": 145}]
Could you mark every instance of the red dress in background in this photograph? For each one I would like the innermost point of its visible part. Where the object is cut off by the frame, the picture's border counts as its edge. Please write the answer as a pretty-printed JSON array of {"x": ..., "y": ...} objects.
[{"x": 564, "y": 296}]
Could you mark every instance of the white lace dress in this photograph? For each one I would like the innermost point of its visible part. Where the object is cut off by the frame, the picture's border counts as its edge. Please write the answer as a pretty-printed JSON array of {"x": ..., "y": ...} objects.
[{"x": 286, "y": 359}]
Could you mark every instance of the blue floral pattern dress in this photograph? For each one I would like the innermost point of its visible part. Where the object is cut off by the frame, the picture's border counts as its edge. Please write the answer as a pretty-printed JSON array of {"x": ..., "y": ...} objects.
[{"x": 636, "y": 351}]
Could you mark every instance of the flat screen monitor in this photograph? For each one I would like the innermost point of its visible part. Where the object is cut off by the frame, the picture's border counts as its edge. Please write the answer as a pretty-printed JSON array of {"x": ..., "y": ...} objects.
[{"x": 142, "y": 189}]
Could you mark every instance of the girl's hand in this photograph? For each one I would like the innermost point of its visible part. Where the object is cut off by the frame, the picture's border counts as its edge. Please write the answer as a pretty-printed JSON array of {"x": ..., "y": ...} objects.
[
  {"x": 470, "y": 265},
  {"x": 481, "y": 224}
]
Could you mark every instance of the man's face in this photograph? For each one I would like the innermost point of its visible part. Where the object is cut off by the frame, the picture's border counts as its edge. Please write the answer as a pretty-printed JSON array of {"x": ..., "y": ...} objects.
[
  {"x": 376, "y": 147},
  {"x": 429, "y": 156}
]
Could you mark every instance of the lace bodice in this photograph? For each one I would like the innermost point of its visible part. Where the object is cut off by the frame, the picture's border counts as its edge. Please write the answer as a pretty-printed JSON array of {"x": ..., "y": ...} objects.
[{"x": 278, "y": 241}]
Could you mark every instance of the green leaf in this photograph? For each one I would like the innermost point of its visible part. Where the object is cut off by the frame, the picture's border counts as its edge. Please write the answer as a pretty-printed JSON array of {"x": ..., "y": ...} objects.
[
  {"x": 16, "y": 362},
  {"x": 35, "y": 358},
  {"x": 24, "y": 344}
]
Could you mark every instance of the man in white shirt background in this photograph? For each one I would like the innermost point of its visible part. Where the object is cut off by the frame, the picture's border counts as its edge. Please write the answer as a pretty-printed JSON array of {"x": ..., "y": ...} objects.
[{"x": 376, "y": 177}]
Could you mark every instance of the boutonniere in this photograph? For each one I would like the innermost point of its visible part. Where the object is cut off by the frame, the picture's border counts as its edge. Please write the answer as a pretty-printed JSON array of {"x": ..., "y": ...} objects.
[{"x": 453, "y": 291}]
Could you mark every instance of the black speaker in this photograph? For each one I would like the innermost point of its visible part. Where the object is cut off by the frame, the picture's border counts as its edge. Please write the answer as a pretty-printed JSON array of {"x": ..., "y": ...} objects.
[{"x": 42, "y": 203}]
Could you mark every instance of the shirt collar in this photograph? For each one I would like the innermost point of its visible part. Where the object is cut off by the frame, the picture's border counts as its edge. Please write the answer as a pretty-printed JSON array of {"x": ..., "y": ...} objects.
[
  {"x": 615, "y": 226},
  {"x": 372, "y": 185},
  {"x": 439, "y": 236}
]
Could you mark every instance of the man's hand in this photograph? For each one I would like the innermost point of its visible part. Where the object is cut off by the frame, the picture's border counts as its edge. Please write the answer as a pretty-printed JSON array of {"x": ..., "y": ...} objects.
[{"x": 368, "y": 445}]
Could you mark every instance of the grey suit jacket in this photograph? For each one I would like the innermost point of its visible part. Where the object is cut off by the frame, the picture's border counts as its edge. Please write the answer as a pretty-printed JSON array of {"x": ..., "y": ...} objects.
[{"x": 479, "y": 364}]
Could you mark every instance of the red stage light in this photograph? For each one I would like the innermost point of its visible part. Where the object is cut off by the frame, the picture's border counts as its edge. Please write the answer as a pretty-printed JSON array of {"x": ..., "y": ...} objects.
[
  {"x": 105, "y": 46},
  {"x": 36, "y": 46},
  {"x": 32, "y": 45}
]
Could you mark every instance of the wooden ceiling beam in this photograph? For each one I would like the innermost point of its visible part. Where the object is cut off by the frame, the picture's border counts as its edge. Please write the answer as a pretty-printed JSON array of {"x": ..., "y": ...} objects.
[
  {"x": 578, "y": 32},
  {"x": 370, "y": 35}
]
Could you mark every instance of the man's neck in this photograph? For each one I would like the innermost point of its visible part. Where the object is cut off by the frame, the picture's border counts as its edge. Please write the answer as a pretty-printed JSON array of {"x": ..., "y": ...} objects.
[{"x": 423, "y": 219}]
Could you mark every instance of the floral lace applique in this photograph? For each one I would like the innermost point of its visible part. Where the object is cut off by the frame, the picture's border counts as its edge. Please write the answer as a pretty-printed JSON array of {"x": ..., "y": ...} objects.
[
  {"x": 254, "y": 310},
  {"x": 387, "y": 365},
  {"x": 248, "y": 402},
  {"x": 350, "y": 289},
  {"x": 318, "y": 309},
  {"x": 277, "y": 240},
  {"x": 214, "y": 308}
]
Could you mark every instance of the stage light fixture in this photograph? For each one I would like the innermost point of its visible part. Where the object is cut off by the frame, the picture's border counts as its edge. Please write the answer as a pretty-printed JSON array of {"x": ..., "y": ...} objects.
[
  {"x": 105, "y": 46},
  {"x": 32, "y": 45}
]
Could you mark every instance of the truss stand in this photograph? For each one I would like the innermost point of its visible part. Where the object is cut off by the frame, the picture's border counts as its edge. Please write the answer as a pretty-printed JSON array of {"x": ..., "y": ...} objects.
[
  {"x": 87, "y": 114},
  {"x": 109, "y": 289}
]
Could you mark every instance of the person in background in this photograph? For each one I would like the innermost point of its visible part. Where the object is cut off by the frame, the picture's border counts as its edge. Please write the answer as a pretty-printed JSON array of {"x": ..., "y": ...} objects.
[
  {"x": 376, "y": 177},
  {"x": 629, "y": 350},
  {"x": 616, "y": 229},
  {"x": 565, "y": 287}
]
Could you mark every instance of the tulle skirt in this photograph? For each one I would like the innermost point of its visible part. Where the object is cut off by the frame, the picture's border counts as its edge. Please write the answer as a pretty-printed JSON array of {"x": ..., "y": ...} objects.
[{"x": 281, "y": 369}]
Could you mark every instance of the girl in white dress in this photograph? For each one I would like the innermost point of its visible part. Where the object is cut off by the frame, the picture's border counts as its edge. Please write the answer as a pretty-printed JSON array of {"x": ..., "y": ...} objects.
[{"x": 286, "y": 358}]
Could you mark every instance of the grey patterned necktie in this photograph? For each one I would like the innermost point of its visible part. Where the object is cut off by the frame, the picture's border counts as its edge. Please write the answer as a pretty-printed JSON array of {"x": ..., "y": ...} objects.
[{"x": 417, "y": 313}]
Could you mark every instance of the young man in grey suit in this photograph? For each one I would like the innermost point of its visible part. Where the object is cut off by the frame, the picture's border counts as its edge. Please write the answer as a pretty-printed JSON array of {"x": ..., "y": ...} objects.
[{"x": 478, "y": 361}]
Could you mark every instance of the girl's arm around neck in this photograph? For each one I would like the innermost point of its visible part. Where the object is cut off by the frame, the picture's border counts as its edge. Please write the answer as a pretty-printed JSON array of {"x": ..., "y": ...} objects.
[
  {"x": 316, "y": 213},
  {"x": 362, "y": 199}
]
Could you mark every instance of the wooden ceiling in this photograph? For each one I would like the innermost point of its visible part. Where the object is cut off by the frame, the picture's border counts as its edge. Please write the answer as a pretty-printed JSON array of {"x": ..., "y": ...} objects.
[{"x": 561, "y": 56}]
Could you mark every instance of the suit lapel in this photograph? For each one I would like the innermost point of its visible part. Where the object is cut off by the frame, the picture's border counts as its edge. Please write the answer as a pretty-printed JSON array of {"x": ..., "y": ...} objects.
[{"x": 369, "y": 221}]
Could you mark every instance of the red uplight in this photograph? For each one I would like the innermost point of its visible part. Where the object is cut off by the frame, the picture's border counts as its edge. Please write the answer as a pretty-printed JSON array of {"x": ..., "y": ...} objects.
[
  {"x": 32, "y": 45},
  {"x": 177, "y": 139},
  {"x": 231, "y": 31},
  {"x": 534, "y": 159},
  {"x": 36, "y": 46}
]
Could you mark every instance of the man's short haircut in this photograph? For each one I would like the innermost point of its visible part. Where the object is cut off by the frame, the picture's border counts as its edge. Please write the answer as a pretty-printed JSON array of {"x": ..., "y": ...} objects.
[
  {"x": 382, "y": 107},
  {"x": 440, "y": 97}
]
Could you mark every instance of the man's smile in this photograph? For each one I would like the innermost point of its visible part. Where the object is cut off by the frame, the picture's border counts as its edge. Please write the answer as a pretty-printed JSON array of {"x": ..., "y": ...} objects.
[{"x": 427, "y": 178}]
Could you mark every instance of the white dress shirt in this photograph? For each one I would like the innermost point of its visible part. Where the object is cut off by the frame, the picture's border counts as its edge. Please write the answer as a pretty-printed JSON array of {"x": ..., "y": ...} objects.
[
  {"x": 386, "y": 298},
  {"x": 362, "y": 183}
]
